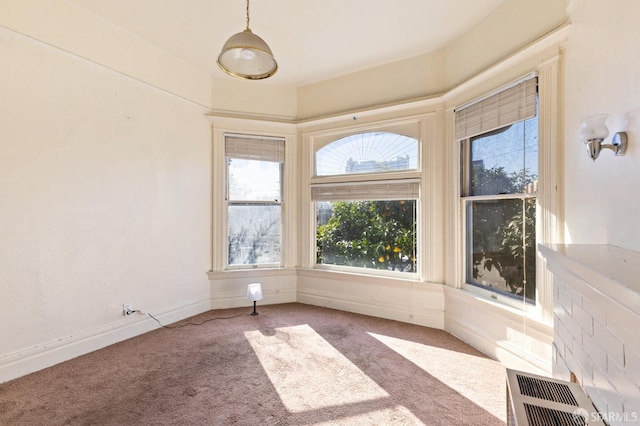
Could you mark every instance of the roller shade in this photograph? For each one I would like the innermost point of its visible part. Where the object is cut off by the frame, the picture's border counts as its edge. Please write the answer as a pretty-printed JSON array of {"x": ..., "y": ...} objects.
[
  {"x": 513, "y": 104},
  {"x": 404, "y": 189},
  {"x": 247, "y": 148}
]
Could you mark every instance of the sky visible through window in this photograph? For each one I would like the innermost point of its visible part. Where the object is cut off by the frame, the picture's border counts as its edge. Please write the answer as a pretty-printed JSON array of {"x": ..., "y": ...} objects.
[
  {"x": 367, "y": 153},
  {"x": 252, "y": 180},
  {"x": 514, "y": 149}
]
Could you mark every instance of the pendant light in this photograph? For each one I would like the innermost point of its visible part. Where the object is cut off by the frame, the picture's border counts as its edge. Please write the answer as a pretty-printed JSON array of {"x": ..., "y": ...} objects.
[{"x": 245, "y": 55}]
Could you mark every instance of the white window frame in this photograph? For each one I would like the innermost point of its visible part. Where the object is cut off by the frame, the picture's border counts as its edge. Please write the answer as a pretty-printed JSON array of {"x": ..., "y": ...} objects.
[
  {"x": 220, "y": 127},
  {"x": 549, "y": 212},
  {"x": 509, "y": 99},
  {"x": 257, "y": 148},
  {"x": 412, "y": 128}
]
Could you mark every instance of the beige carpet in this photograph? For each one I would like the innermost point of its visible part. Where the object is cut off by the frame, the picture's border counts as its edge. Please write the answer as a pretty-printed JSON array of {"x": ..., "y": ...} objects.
[{"x": 293, "y": 364}]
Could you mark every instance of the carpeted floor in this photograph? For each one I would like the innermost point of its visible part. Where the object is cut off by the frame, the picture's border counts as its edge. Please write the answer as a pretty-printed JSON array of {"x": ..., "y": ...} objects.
[{"x": 293, "y": 364}]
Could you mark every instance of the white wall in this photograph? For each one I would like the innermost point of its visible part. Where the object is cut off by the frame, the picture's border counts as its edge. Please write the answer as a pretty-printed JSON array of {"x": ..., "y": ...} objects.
[
  {"x": 511, "y": 27},
  {"x": 602, "y": 69},
  {"x": 514, "y": 25},
  {"x": 104, "y": 200},
  {"x": 71, "y": 28},
  {"x": 257, "y": 98},
  {"x": 403, "y": 80}
]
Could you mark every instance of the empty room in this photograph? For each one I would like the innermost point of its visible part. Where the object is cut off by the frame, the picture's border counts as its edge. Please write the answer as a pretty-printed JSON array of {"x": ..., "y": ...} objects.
[{"x": 314, "y": 212}]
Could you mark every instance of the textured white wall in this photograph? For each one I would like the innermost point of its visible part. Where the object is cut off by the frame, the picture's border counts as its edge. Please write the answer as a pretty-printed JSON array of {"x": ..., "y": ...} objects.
[
  {"x": 104, "y": 196},
  {"x": 602, "y": 69}
]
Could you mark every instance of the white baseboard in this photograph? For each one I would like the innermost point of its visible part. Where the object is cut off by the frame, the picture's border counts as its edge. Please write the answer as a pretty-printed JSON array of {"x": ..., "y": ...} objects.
[
  {"x": 508, "y": 354},
  {"x": 229, "y": 288},
  {"x": 427, "y": 317},
  {"x": 30, "y": 360},
  {"x": 238, "y": 301}
]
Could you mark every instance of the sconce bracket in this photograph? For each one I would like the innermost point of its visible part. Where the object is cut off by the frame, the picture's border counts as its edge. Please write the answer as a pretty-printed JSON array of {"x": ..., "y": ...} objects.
[{"x": 619, "y": 143}]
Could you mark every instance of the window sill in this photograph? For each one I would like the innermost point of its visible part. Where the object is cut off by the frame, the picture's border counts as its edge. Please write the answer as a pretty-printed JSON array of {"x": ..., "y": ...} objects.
[
  {"x": 460, "y": 294},
  {"x": 318, "y": 273},
  {"x": 357, "y": 276},
  {"x": 251, "y": 273},
  {"x": 499, "y": 298}
]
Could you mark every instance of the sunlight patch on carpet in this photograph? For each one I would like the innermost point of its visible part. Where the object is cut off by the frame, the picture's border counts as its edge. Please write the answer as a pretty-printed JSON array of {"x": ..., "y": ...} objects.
[
  {"x": 482, "y": 373},
  {"x": 395, "y": 416},
  {"x": 307, "y": 372}
]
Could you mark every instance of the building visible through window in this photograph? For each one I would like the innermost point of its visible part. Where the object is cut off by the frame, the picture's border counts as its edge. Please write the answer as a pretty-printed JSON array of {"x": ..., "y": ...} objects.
[{"x": 368, "y": 224}]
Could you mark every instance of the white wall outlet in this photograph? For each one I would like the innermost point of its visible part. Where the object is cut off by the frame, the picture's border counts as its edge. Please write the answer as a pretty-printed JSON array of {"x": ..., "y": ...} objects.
[{"x": 127, "y": 309}]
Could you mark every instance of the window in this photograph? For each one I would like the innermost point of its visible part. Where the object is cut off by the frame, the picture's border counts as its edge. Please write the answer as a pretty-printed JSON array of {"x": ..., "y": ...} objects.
[
  {"x": 368, "y": 153},
  {"x": 499, "y": 179},
  {"x": 254, "y": 188},
  {"x": 365, "y": 217}
]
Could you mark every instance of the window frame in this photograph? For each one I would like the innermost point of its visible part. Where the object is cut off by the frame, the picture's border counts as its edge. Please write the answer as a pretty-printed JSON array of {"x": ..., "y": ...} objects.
[
  {"x": 465, "y": 200},
  {"x": 366, "y": 179},
  {"x": 244, "y": 202},
  {"x": 479, "y": 289}
]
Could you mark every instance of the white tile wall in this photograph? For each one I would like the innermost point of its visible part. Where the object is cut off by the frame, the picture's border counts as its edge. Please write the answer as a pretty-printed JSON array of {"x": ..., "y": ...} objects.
[{"x": 597, "y": 331}]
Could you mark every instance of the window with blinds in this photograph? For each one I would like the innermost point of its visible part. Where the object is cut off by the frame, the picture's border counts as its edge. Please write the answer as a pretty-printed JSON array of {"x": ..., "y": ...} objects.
[
  {"x": 498, "y": 137},
  {"x": 368, "y": 223},
  {"x": 514, "y": 103},
  {"x": 250, "y": 148},
  {"x": 402, "y": 189},
  {"x": 254, "y": 200}
]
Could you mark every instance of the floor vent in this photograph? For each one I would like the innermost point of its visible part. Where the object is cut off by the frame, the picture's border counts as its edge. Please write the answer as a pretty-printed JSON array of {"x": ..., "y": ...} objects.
[
  {"x": 544, "y": 389},
  {"x": 537, "y": 415},
  {"x": 540, "y": 401}
]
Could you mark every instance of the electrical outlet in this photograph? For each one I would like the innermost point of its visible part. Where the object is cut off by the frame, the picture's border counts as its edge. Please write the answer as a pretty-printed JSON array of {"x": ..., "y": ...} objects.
[{"x": 127, "y": 309}]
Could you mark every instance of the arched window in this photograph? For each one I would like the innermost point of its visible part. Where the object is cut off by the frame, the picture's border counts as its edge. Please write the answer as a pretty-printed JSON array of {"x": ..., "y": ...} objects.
[
  {"x": 371, "y": 152},
  {"x": 367, "y": 223}
]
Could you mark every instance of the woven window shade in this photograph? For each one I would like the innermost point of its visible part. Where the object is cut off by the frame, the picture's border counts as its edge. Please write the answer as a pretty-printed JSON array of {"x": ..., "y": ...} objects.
[
  {"x": 406, "y": 189},
  {"x": 247, "y": 148},
  {"x": 513, "y": 104}
]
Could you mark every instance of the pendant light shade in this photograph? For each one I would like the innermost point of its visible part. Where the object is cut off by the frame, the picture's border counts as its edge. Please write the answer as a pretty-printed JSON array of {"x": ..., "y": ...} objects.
[{"x": 246, "y": 55}]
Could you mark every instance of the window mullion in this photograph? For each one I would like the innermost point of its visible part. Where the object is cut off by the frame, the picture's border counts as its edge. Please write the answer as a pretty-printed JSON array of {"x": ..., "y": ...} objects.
[{"x": 517, "y": 196}]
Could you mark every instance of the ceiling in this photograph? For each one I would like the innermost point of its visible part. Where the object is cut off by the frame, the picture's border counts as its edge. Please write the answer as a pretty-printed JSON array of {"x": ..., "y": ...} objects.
[{"x": 312, "y": 40}]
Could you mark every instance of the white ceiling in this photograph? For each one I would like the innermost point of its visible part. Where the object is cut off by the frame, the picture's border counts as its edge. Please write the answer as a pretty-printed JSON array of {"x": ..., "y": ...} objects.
[{"x": 312, "y": 40}]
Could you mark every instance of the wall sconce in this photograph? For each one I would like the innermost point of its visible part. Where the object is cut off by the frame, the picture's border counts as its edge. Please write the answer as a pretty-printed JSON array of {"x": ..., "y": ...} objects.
[
  {"x": 254, "y": 293},
  {"x": 594, "y": 131}
]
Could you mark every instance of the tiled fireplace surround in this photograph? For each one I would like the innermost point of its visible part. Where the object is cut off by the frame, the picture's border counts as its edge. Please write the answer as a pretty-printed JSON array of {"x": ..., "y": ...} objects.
[{"x": 597, "y": 325}]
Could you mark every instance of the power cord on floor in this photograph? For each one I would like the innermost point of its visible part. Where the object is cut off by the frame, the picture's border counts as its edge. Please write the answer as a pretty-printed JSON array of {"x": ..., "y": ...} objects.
[{"x": 191, "y": 323}]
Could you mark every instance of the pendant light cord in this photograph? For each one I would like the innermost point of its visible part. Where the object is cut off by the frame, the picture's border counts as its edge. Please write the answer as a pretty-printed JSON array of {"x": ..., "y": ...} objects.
[{"x": 248, "y": 15}]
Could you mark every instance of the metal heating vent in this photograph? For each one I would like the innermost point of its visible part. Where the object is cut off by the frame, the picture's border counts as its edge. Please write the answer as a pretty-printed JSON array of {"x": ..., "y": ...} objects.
[
  {"x": 540, "y": 401},
  {"x": 544, "y": 389},
  {"x": 537, "y": 415}
]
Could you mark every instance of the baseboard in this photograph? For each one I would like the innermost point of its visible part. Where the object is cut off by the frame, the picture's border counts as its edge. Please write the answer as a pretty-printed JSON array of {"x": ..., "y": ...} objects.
[
  {"x": 238, "y": 301},
  {"x": 30, "y": 360},
  {"x": 427, "y": 317},
  {"x": 508, "y": 354},
  {"x": 229, "y": 288}
]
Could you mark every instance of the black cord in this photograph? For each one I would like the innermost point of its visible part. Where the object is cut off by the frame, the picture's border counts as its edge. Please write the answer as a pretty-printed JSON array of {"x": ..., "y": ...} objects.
[{"x": 193, "y": 323}]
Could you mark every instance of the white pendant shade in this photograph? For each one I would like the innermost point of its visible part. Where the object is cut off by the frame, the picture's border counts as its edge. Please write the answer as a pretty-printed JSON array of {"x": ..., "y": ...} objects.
[{"x": 246, "y": 55}]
